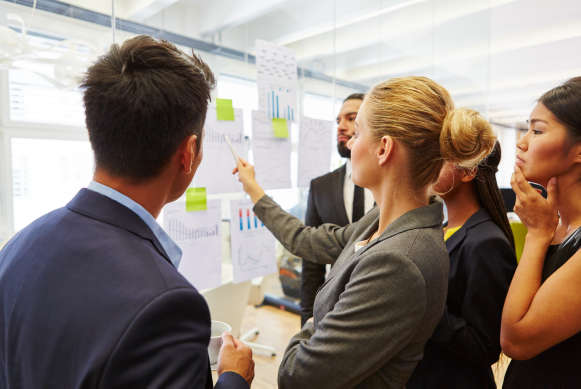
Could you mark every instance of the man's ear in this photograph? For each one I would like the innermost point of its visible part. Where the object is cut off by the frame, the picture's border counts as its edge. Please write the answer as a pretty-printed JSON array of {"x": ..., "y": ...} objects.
[
  {"x": 469, "y": 174},
  {"x": 386, "y": 145},
  {"x": 188, "y": 153}
]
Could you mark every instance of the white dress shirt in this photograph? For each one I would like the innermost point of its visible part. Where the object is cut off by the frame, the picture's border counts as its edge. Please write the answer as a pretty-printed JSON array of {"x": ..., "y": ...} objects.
[{"x": 348, "y": 193}]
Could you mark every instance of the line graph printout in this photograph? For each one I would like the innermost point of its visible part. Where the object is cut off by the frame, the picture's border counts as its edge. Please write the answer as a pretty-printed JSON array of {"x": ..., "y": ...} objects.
[
  {"x": 314, "y": 149},
  {"x": 272, "y": 155},
  {"x": 199, "y": 235},
  {"x": 253, "y": 246},
  {"x": 215, "y": 171},
  {"x": 276, "y": 69}
]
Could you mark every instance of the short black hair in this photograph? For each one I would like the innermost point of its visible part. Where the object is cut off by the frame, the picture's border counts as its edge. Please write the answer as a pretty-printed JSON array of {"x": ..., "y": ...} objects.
[
  {"x": 355, "y": 96},
  {"x": 142, "y": 99}
]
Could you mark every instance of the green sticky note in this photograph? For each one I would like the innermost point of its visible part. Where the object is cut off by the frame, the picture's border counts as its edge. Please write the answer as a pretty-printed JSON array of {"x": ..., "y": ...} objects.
[
  {"x": 224, "y": 109},
  {"x": 196, "y": 200},
  {"x": 280, "y": 128}
]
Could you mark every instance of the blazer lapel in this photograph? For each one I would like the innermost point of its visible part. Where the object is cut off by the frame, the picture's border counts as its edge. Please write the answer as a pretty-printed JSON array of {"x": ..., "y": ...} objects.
[
  {"x": 97, "y": 206},
  {"x": 338, "y": 180},
  {"x": 425, "y": 217},
  {"x": 455, "y": 239},
  {"x": 478, "y": 217},
  {"x": 369, "y": 230}
]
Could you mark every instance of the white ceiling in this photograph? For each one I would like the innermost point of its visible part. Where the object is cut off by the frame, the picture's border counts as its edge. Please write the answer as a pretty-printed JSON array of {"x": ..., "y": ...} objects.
[{"x": 506, "y": 52}]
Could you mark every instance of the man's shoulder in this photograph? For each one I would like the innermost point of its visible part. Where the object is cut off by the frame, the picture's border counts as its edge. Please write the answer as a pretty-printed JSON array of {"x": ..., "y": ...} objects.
[
  {"x": 327, "y": 179},
  {"x": 67, "y": 241}
]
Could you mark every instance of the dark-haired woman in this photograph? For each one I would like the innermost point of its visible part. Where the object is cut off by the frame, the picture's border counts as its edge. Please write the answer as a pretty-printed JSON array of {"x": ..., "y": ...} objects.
[
  {"x": 541, "y": 320},
  {"x": 482, "y": 262}
]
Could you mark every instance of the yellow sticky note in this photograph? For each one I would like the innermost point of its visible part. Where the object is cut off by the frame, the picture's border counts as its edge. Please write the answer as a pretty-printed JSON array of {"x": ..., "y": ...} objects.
[
  {"x": 280, "y": 128},
  {"x": 196, "y": 200},
  {"x": 224, "y": 109}
]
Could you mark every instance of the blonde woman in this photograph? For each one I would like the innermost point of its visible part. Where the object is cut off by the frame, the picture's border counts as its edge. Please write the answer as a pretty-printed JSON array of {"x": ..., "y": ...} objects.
[{"x": 387, "y": 288}]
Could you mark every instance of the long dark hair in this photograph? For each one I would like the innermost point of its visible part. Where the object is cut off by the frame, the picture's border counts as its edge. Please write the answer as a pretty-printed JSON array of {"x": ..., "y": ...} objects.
[
  {"x": 564, "y": 102},
  {"x": 489, "y": 194}
]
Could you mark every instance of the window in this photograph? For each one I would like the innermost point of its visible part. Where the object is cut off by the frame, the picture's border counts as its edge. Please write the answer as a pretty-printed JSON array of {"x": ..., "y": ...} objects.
[
  {"x": 46, "y": 175},
  {"x": 34, "y": 99},
  {"x": 321, "y": 107},
  {"x": 244, "y": 95}
]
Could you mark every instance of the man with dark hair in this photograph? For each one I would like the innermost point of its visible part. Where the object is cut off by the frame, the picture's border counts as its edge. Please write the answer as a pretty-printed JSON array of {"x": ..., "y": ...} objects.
[
  {"x": 90, "y": 295},
  {"x": 333, "y": 198}
]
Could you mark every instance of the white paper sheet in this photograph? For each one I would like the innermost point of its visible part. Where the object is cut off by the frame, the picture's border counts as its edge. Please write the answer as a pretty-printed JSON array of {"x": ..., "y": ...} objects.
[
  {"x": 253, "y": 246},
  {"x": 314, "y": 149},
  {"x": 276, "y": 69},
  {"x": 215, "y": 171},
  {"x": 272, "y": 156},
  {"x": 199, "y": 235}
]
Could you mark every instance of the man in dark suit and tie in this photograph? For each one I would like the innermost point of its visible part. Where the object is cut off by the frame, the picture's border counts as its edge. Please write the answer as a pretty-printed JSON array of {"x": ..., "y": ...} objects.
[
  {"x": 333, "y": 198},
  {"x": 90, "y": 295}
]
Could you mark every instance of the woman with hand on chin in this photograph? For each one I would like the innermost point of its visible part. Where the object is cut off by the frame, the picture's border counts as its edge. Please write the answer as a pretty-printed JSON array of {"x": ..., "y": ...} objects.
[
  {"x": 387, "y": 288},
  {"x": 541, "y": 320}
]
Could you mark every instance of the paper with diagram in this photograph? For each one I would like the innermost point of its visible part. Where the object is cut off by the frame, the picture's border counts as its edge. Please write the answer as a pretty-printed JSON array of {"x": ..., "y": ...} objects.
[
  {"x": 199, "y": 235},
  {"x": 215, "y": 171},
  {"x": 276, "y": 69},
  {"x": 272, "y": 155},
  {"x": 314, "y": 149},
  {"x": 253, "y": 245}
]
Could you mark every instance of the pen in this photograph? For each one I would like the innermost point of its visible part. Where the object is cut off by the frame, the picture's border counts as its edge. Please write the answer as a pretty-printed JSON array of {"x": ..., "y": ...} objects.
[{"x": 231, "y": 148}]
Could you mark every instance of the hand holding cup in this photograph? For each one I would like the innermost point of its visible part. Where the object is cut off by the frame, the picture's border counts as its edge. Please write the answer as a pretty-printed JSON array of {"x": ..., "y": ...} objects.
[{"x": 235, "y": 356}]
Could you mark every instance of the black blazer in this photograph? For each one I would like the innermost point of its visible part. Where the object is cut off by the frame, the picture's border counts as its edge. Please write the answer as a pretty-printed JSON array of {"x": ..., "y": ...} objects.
[
  {"x": 326, "y": 205},
  {"x": 89, "y": 298},
  {"x": 467, "y": 339}
]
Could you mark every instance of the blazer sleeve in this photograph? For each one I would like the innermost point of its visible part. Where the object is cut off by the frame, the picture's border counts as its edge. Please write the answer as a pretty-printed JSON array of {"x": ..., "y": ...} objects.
[
  {"x": 377, "y": 315},
  {"x": 166, "y": 345},
  {"x": 319, "y": 245},
  {"x": 475, "y": 336},
  {"x": 313, "y": 274}
]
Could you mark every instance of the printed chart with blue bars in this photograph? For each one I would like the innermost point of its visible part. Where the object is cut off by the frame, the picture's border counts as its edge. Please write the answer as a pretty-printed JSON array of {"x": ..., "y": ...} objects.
[
  {"x": 252, "y": 244},
  {"x": 276, "y": 76},
  {"x": 278, "y": 103}
]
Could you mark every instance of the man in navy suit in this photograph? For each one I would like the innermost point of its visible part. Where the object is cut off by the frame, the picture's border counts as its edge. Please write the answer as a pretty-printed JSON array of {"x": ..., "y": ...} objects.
[{"x": 89, "y": 294}]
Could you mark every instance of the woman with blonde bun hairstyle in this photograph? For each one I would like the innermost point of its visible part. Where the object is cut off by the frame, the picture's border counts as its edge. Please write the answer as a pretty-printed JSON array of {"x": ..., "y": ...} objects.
[{"x": 387, "y": 288}]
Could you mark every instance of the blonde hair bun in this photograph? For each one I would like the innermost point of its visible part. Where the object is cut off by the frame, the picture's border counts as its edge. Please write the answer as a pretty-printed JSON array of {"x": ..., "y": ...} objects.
[{"x": 466, "y": 138}]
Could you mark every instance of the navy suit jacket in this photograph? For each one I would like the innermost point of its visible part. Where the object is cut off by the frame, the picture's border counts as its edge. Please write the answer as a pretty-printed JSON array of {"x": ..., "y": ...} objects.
[
  {"x": 467, "y": 340},
  {"x": 89, "y": 298}
]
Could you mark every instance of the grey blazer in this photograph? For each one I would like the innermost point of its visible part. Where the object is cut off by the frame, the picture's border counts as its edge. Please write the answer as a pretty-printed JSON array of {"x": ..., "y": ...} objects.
[{"x": 379, "y": 305}]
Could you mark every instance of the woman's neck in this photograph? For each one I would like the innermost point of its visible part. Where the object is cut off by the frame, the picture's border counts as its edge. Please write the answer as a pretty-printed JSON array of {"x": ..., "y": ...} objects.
[
  {"x": 568, "y": 205},
  {"x": 461, "y": 203},
  {"x": 394, "y": 200}
]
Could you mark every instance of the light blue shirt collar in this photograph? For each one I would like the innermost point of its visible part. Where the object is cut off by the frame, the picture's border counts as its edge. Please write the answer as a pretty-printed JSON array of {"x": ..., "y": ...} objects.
[{"x": 170, "y": 247}]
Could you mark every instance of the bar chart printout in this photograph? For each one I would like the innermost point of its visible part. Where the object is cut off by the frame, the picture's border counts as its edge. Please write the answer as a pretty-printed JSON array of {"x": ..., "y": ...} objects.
[
  {"x": 253, "y": 246},
  {"x": 314, "y": 149},
  {"x": 199, "y": 235},
  {"x": 215, "y": 171},
  {"x": 276, "y": 69}
]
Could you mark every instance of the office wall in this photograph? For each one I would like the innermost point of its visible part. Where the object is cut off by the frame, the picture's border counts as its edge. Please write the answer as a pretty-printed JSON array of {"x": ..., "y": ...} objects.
[{"x": 470, "y": 47}]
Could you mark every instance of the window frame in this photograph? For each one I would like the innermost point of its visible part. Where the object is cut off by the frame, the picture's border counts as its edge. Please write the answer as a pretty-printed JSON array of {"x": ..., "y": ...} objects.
[{"x": 10, "y": 129}]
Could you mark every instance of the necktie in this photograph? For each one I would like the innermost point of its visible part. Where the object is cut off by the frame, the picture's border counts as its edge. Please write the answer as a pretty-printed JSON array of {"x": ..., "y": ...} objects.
[{"x": 358, "y": 204}]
